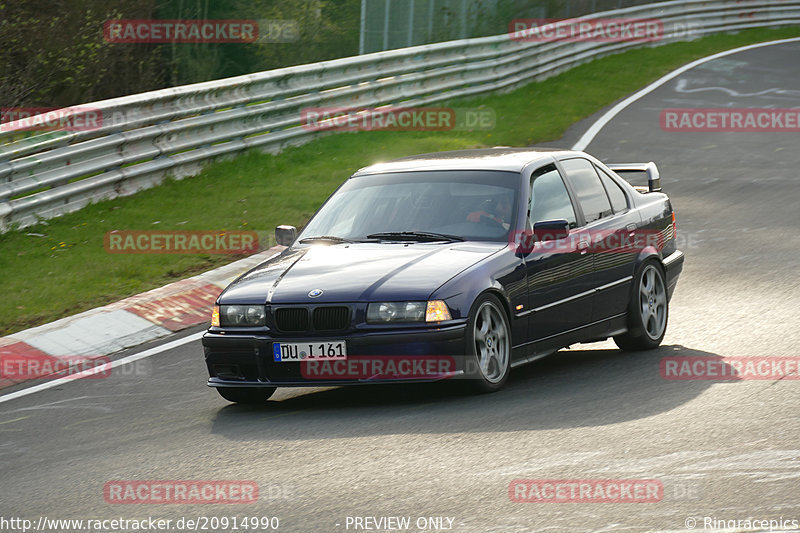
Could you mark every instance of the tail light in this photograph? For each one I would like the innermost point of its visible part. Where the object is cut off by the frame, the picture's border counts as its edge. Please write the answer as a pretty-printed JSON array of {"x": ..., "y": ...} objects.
[{"x": 674, "y": 227}]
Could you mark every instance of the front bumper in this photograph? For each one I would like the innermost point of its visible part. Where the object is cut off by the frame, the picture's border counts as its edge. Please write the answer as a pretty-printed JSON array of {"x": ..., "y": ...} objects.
[{"x": 246, "y": 360}]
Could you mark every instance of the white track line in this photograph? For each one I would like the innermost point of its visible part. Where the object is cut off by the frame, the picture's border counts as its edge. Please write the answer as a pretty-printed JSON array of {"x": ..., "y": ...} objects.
[
  {"x": 102, "y": 368},
  {"x": 595, "y": 128}
]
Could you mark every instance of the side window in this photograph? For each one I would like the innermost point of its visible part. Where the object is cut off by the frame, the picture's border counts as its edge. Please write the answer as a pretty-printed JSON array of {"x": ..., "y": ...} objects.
[
  {"x": 618, "y": 199},
  {"x": 586, "y": 183},
  {"x": 549, "y": 198}
]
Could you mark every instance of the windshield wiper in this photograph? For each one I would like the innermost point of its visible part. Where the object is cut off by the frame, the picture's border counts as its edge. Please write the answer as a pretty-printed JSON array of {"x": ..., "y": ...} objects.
[
  {"x": 422, "y": 236},
  {"x": 324, "y": 238}
]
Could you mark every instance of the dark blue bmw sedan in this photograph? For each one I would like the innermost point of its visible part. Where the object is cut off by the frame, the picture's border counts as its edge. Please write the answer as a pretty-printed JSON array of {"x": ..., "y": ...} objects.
[{"x": 452, "y": 265}]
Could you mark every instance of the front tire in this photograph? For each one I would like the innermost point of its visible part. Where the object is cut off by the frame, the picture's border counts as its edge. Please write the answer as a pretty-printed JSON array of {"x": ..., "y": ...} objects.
[
  {"x": 648, "y": 310},
  {"x": 246, "y": 395},
  {"x": 489, "y": 344}
]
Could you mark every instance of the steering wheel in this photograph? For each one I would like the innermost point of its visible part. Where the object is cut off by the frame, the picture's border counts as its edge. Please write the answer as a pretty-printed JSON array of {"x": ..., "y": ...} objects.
[{"x": 490, "y": 221}]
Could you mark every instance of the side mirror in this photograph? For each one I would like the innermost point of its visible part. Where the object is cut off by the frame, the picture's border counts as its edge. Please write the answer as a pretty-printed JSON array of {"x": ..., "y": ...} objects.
[
  {"x": 285, "y": 235},
  {"x": 550, "y": 230}
]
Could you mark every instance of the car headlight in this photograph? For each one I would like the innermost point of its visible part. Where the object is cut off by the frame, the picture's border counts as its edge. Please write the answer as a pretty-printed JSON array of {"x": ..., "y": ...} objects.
[
  {"x": 239, "y": 315},
  {"x": 386, "y": 312}
]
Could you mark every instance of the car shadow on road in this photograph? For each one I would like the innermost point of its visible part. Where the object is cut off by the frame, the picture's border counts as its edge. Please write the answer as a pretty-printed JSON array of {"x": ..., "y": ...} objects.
[{"x": 573, "y": 388}]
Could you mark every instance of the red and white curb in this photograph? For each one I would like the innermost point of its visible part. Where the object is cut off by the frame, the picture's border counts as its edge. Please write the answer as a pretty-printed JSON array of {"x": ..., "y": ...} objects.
[{"x": 124, "y": 324}]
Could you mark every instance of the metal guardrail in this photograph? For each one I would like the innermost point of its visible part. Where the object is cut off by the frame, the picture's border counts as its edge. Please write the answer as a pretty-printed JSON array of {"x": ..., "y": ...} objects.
[{"x": 143, "y": 138}]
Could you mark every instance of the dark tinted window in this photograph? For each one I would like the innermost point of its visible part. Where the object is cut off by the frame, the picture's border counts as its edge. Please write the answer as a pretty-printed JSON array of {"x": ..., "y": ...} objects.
[
  {"x": 549, "y": 198},
  {"x": 618, "y": 199},
  {"x": 591, "y": 194}
]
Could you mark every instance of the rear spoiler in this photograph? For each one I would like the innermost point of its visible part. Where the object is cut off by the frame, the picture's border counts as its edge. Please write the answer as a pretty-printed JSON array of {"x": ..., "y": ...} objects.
[{"x": 653, "y": 177}]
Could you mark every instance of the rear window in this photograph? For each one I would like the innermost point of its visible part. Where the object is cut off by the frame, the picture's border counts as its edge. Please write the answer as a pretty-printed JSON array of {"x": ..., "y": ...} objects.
[
  {"x": 619, "y": 201},
  {"x": 590, "y": 191}
]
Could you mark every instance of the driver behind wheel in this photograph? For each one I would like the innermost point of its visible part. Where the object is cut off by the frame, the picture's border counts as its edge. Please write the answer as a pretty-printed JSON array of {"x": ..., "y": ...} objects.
[{"x": 499, "y": 211}]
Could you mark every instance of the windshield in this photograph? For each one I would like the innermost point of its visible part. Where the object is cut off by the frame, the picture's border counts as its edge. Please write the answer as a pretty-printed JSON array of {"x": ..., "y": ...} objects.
[{"x": 470, "y": 205}]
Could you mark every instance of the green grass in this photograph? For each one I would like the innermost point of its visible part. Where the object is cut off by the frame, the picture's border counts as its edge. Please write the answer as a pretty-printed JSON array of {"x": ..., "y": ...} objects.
[{"x": 60, "y": 267}]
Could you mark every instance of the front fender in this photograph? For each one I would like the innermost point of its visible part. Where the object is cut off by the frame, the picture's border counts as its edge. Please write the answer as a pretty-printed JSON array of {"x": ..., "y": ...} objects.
[{"x": 503, "y": 274}]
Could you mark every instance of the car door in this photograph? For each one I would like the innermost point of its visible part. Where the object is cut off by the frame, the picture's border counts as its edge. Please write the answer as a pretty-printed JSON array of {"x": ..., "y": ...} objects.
[
  {"x": 610, "y": 225},
  {"x": 559, "y": 272},
  {"x": 616, "y": 261}
]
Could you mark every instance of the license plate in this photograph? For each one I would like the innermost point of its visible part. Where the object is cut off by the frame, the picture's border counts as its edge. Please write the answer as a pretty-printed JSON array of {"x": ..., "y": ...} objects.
[{"x": 285, "y": 352}]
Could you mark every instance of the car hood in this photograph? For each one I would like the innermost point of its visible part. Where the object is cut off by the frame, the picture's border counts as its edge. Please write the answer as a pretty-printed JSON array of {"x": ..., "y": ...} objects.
[{"x": 356, "y": 272}]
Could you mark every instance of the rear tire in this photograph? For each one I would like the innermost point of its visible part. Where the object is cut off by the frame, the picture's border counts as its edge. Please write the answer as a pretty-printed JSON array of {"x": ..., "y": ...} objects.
[
  {"x": 246, "y": 395},
  {"x": 648, "y": 310}
]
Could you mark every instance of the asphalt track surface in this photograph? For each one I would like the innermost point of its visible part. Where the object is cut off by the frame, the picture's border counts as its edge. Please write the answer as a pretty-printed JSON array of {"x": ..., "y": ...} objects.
[{"x": 723, "y": 450}]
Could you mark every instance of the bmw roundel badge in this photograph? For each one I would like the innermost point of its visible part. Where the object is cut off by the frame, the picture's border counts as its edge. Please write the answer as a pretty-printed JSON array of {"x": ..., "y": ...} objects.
[{"x": 314, "y": 293}]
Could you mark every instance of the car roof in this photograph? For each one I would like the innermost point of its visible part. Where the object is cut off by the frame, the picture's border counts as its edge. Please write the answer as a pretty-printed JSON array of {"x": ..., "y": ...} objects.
[{"x": 498, "y": 158}]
